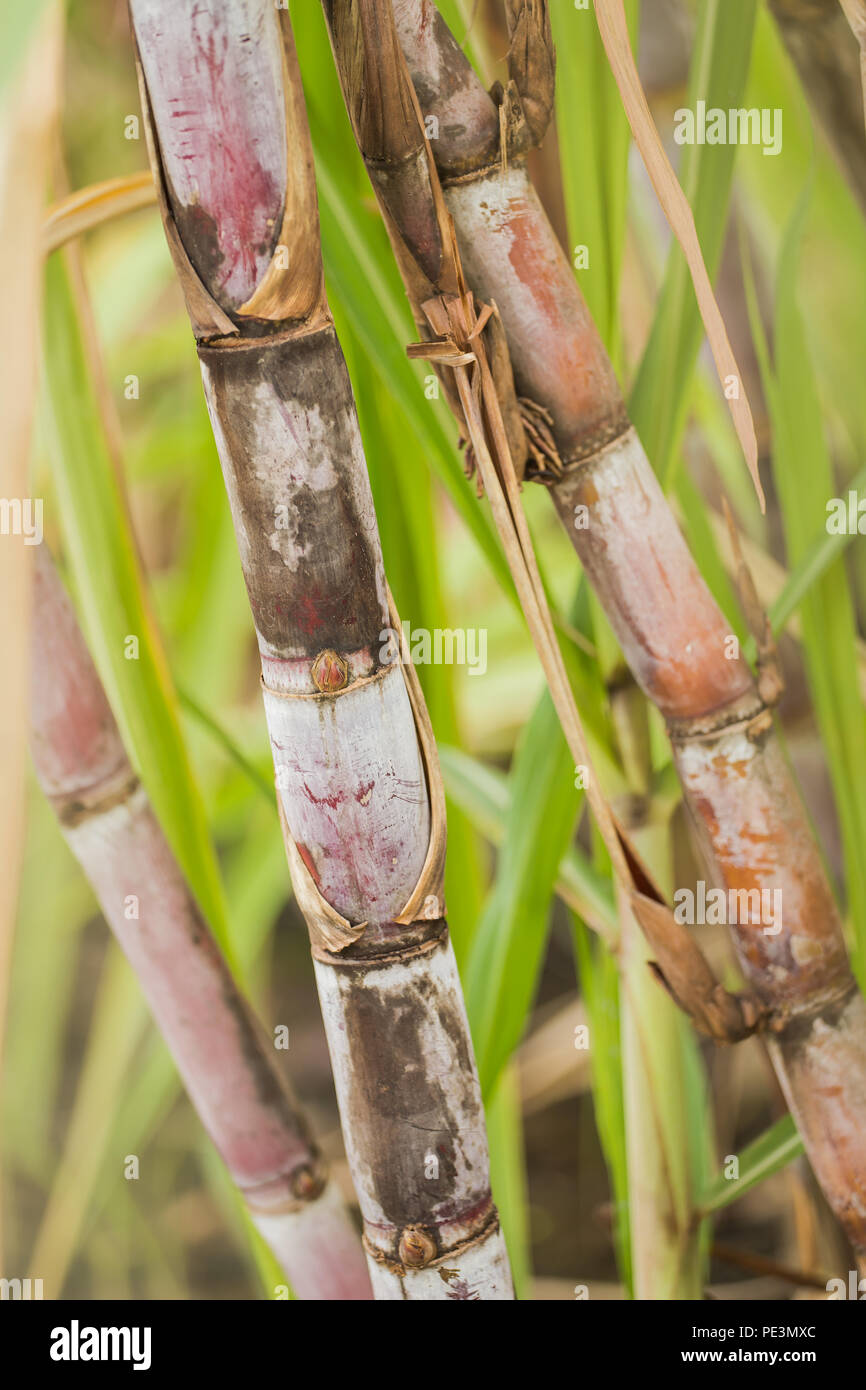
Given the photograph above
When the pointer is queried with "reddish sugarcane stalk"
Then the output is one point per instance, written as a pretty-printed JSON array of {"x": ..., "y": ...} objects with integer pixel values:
[
  {"x": 358, "y": 784},
  {"x": 737, "y": 784},
  {"x": 223, "y": 1054}
]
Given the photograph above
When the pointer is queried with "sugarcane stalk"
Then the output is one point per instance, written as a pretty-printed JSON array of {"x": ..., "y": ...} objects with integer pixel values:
[
  {"x": 358, "y": 784},
  {"x": 221, "y": 1050},
  {"x": 822, "y": 38},
  {"x": 737, "y": 784}
]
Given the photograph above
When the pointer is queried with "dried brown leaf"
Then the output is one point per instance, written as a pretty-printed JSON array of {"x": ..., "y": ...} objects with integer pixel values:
[
  {"x": 92, "y": 206},
  {"x": 683, "y": 970},
  {"x": 532, "y": 62}
]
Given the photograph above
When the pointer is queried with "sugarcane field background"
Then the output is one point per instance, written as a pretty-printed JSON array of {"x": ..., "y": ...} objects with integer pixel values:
[{"x": 270, "y": 623}]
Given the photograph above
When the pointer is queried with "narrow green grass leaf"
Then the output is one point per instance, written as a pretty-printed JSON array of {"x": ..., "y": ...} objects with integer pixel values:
[
  {"x": 484, "y": 794},
  {"x": 803, "y": 473},
  {"x": 508, "y": 947},
  {"x": 718, "y": 73},
  {"x": 759, "y": 1160},
  {"x": 816, "y": 558},
  {"x": 466, "y": 20},
  {"x": 508, "y": 1174},
  {"x": 599, "y": 982},
  {"x": 594, "y": 140}
]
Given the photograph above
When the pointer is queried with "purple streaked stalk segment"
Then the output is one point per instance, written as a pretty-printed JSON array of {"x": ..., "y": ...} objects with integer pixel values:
[
  {"x": 737, "y": 785},
  {"x": 356, "y": 773},
  {"x": 223, "y": 1054}
]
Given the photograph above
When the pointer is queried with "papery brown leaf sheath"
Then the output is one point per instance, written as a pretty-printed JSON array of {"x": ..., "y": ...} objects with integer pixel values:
[
  {"x": 355, "y": 766},
  {"x": 226, "y": 1060},
  {"x": 737, "y": 785},
  {"x": 532, "y": 62}
]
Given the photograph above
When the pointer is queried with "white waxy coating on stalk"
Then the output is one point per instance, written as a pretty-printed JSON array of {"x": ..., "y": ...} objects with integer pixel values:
[
  {"x": 341, "y": 781},
  {"x": 317, "y": 1246},
  {"x": 446, "y": 1124},
  {"x": 481, "y": 1271},
  {"x": 215, "y": 70}
]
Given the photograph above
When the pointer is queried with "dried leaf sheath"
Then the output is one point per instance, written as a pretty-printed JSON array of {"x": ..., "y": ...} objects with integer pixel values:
[
  {"x": 738, "y": 788},
  {"x": 224, "y": 1056},
  {"x": 354, "y": 782}
]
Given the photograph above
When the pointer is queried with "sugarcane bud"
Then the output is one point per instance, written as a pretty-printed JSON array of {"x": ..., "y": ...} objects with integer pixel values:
[
  {"x": 330, "y": 672},
  {"x": 532, "y": 62},
  {"x": 416, "y": 1248},
  {"x": 308, "y": 1184}
]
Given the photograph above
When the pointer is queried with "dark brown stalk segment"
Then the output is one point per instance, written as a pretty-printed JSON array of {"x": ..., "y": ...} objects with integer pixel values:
[
  {"x": 737, "y": 784},
  {"x": 357, "y": 778}
]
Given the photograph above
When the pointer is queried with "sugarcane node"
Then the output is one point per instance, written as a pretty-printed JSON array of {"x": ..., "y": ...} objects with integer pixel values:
[
  {"x": 683, "y": 970},
  {"x": 330, "y": 672},
  {"x": 96, "y": 801},
  {"x": 415, "y": 1249},
  {"x": 737, "y": 1016},
  {"x": 610, "y": 432}
]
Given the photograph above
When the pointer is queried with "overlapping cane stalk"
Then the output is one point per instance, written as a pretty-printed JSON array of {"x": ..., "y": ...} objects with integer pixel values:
[
  {"x": 357, "y": 778},
  {"x": 222, "y": 1052},
  {"x": 818, "y": 36},
  {"x": 737, "y": 784}
]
